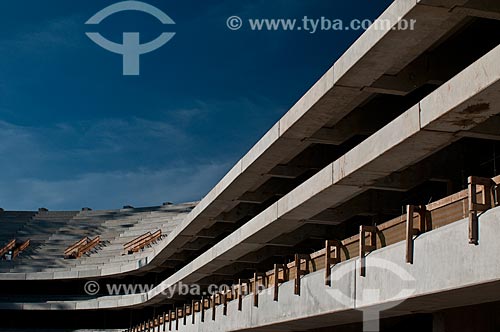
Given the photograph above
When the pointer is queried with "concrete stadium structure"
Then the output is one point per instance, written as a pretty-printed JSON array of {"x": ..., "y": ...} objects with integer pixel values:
[{"x": 377, "y": 193}]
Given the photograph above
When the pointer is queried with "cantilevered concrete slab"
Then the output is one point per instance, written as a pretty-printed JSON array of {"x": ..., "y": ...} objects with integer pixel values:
[
  {"x": 401, "y": 143},
  {"x": 342, "y": 88}
]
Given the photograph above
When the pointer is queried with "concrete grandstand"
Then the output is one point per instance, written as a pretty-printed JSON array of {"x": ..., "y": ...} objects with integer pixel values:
[{"x": 376, "y": 194}]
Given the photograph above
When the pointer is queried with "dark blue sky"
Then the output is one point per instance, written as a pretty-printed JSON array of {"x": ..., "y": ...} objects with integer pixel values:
[{"x": 74, "y": 132}]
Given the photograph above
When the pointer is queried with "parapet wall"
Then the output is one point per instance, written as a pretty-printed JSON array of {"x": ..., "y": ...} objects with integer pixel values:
[{"x": 436, "y": 280}]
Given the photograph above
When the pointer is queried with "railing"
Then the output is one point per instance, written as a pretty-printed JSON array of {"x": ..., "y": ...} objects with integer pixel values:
[{"x": 481, "y": 195}]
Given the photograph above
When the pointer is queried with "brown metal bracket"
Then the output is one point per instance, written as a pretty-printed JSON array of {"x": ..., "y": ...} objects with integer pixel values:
[
  {"x": 331, "y": 246},
  {"x": 177, "y": 319},
  {"x": 299, "y": 272},
  {"x": 184, "y": 314},
  {"x": 411, "y": 231},
  {"x": 223, "y": 295},
  {"x": 365, "y": 248},
  {"x": 193, "y": 311},
  {"x": 496, "y": 191},
  {"x": 213, "y": 304},
  {"x": 487, "y": 202},
  {"x": 241, "y": 282},
  {"x": 277, "y": 279},
  {"x": 202, "y": 310},
  {"x": 256, "y": 276}
]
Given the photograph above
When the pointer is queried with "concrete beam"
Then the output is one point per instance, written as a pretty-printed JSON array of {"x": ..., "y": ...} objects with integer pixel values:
[
  {"x": 431, "y": 168},
  {"x": 287, "y": 172},
  {"x": 335, "y": 95},
  {"x": 241, "y": 211},
  {"x": 235, "y": 268},
  {"x": 180, "y": 257},
  {"x": 197, "y": 244},
  {"x": 430, "y": 68},
  {"x": 356, "y": 70},
  {"x": 479, "y": 8},
  {"x": 273, "y": 187},
  {"x": 215, "y": 230},
  {"x": 356, "y": 123},
  {"x": 488, "y": 14},
  {"x": 311, "y": 232},
  {"x": 265, "y": 253},
  {"x": 367, "y": 204},
  {"x": 449, "y": 4}
]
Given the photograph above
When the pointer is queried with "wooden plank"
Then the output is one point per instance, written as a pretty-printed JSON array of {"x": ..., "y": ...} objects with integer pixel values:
[
  {"x": 448, "y": 200},
  {"x": 70, "y": 250},
  {"x": 89, "y": 246},
  {"x": 9, "y": 246},
  {"x": 144, "y": 241},
  {"x": 21, "y": 248},
  {"x": 137, "y": 240}
]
